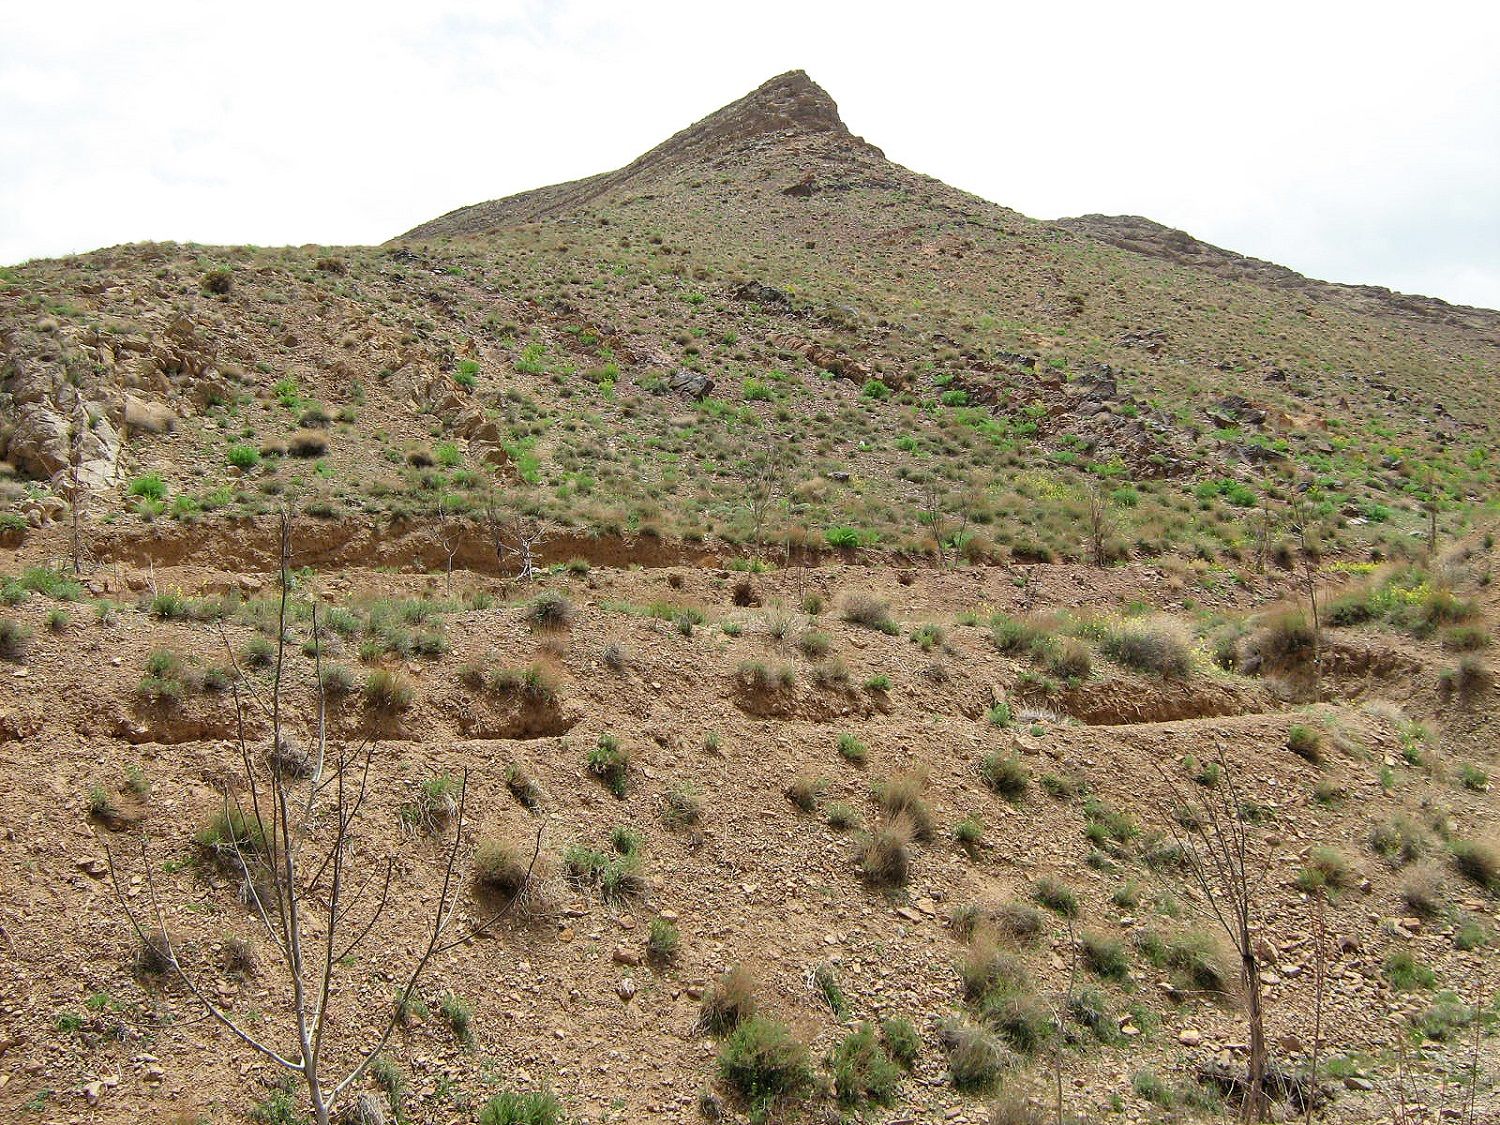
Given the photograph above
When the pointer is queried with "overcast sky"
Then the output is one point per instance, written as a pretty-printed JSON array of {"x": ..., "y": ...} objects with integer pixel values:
[{"x": 1352, "y": 141}]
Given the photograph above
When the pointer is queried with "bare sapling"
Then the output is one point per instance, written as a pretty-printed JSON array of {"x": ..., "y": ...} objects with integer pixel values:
[
  {"x": 314, "y": 885},
  {"x": 1227, "y": 866}
]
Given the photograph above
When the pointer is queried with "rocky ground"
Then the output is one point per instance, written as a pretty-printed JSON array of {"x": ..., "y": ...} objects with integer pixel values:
[{"x": 567, "y": 999}]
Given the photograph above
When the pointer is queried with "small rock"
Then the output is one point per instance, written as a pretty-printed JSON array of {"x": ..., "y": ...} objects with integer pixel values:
[
  {"x": 1189, "y": 1037},
  {"x": 625, "y": 989},
  {"x": 623, "y": 955}
]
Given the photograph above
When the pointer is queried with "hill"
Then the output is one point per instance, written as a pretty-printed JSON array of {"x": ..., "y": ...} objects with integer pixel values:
[{"x": 825, "y": 590}]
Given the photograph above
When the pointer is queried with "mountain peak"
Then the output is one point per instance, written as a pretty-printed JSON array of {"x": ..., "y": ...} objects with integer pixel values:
[
  {"x": 790, "y": 107},
  {"x": 789, "y": 102}
]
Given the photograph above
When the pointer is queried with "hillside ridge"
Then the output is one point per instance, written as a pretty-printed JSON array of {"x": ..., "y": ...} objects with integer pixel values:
[{"x": 1141, "y": 235}]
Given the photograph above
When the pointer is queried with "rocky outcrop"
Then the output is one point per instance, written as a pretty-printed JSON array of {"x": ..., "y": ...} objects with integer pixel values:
[{"x": 54, "y": 420}]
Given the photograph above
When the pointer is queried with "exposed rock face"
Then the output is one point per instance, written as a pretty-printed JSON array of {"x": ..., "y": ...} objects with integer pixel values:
[{"x": 54, "y": 418}]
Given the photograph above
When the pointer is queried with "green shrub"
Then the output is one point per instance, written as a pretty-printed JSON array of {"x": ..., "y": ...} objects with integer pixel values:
[
  {"x": 1106, "y": 824},
  {"x": 757, "y": 676},
  {"x": 435, "y": 803},
  {"x": 1056, "y": 896},
  {"x": 882, "y": 856},
  {"x": 460, "y": 1015},
  {"x": 1019, "y": 1017},
  {"x": 805, "y": 790},
  {"x": 852, "y": 749},
  {"x": 1158, "y": 647},
  {"x": 1473, "y": 778},
  {"x": 1088, "y": 1007},
  {"x": 1445, "y": 1019},
  {"x": 662, "y": 940},
  {"x": 523, "y": 787},
  {"x": 1477, "y": 861},
  {"x": 231, "y": 833},
  {"x": 533, "y": 683},
  {"x": 1306, "y": 742},
  {"x": 1149, "y": 1085},
  {"x": 969, "y": 832},
  {"x": 51, "y": 583},
  {"x": 388, "y": 692},
  {"x": 1019, "y": 921},
  {"x": 1424, "y": 891},
  {"x": 1399, "y": 840},
  {"x": 337, "y": 681},
  {"x": 550, "y": 610},
  {"x": 1470, "y": 934},
  {"x": 217, "y": 281},
  {"x": 841, "y": 814},
  {"x": 1005, "y": 773},
  {"x": 900, "y": 795},
  {"x": 169, "y": 605},
  {"x": 729, "y": 1001},
  {"x": 258, "y": 652},
  {"x": 862, "y": 1071},
  {"x": 609, "y": 761},
  {"x": 825, "y": 980},
  {"x": 1286, "y": 636},
  {"x": 149, "y": 486},
  {"x": 870, "y": 612},
  {"x": 901, "y": 1039},
  {"x": 1466, "y": 638},
  {"x": 976, "y": 1058},
  {"x": 1014, "y": 635},
  {"x": 501, "y": 866},
  {"x": 814, "y": 645},
  {"x": 1106, "y": 956},
  {"x": 1197, "y": 959},
  {"x": 681, "y": 806},
  {"x": 842, "y": 538},
  {"x": 536, "y": 1108},
  {"x": 15, "y": 639},
  {"x": 764, "y": 1062},
  {"x": 1327, "y": 868},
  {"x": 243, "y": 457},
  {"x": 987, "y": 968},
  {"x": 1406, "y": 974},
  {"x": 1068, "y": 658}
]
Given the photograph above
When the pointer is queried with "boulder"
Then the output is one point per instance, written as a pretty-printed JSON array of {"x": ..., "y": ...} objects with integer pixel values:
[
  {"x": 691, "y": 383},
  {"x": 148, "y": 417}
]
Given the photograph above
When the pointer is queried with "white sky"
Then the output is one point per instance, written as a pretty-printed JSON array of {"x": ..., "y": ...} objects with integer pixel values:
[{"x": 1352, "y": 141}]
